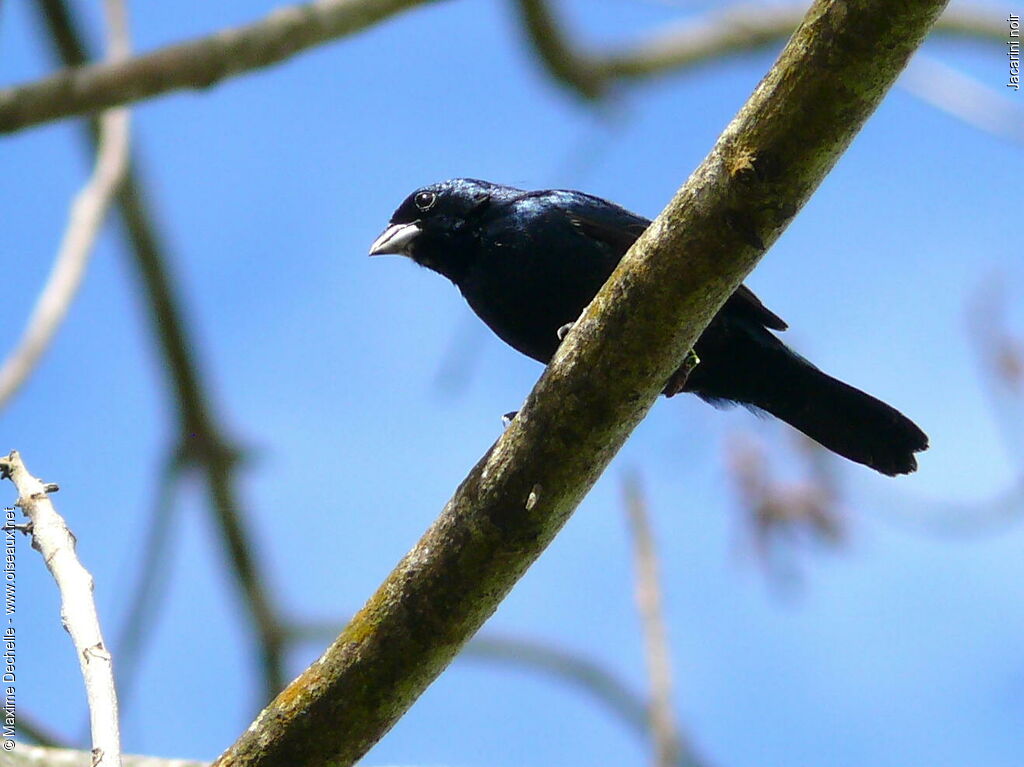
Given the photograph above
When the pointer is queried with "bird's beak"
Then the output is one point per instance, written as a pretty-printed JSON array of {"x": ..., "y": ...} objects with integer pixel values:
[{"x": 396, "y": 239}]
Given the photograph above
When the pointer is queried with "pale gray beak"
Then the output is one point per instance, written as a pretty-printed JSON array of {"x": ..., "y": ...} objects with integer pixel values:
[{"x": 396, "y": 240}]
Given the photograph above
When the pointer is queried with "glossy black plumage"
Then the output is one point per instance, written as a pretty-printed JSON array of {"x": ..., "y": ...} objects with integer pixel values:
[{"x": 529, "y": 262}]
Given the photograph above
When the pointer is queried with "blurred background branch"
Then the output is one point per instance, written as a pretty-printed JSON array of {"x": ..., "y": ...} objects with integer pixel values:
[
  {"x": 779, "y": 512},
  {"x": 290, "y": 30},
  {"x": 964, "y": 97},
  {"x": 669, "y": 748},
  {"x": 202, "y": 440},
  {"x": 999, "y": 353},
  {"x": 997, "y": 349},
  {"x": 564, "y": 63},
  {"x": 88, "y": 211},
  {"x": 195, "y": 64},
  {"x": 746, "y": 27},
  {"x": 533, "y": 655}
]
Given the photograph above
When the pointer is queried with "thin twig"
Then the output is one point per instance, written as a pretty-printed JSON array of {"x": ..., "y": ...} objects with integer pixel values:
[
  {"x": 204, "y": 441},
  {"x": 668, "y": 742},
  {"x": 780, "y": 514},
  {"x": 87, "y": 213},
  {"x": 583, "y": 673},
  {"x": 202, "y": 62},
  {"x": 55, "y": 542},
  {"x": 85, "y": 219}
]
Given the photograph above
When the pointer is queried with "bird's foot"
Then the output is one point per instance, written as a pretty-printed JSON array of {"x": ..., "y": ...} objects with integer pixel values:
[
  {"x": 678, "y": 380},
  {"x": 563, "y": 331},
  {"x": 507, "y": 418}
]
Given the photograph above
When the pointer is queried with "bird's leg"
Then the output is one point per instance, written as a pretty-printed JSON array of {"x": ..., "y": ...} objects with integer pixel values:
[
  {"x": 563, "y": 331},
  {"x": 678, "y": 380}
]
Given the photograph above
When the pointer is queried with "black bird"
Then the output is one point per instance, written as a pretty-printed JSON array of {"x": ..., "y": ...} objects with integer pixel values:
[{"x": 529, "y": 262}]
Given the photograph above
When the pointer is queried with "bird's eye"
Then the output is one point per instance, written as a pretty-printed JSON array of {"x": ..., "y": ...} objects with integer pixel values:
[{"x": 425, "y": 200}]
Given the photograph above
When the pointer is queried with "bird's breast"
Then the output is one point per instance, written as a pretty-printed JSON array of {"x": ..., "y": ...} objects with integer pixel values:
[{"x": 525, "y": 294}]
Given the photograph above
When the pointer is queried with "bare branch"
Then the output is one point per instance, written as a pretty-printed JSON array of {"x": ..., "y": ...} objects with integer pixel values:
[
  {"x": 747, "y": 27},
  {"x": 204, "y": 440},
  {"x": 964, "y": 97},
  {"x": 194, "y": 64},
  {"x": 600, "y": 384},
  {"x": 583, "y": 673},
  {"x": 668, "y": 743},
  {"x": 567, "y": 65},
  {"x": 284, "y": 33},
  {"x": 55, "y": 542},
  {"x": 86, "y": 217},
  {"x": 780, "y": 514},
  {"x": 738, "y": 29}
]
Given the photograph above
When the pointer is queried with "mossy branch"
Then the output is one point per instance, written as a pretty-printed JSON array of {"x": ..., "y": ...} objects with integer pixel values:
[{"x": 604, "y": 378}]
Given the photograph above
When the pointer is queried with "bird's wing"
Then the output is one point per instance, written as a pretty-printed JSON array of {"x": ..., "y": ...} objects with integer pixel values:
[
  {"x": 744, "y": 302},
  {"x": 618, "y": 232},
  {"x": 618, "y": 228}
]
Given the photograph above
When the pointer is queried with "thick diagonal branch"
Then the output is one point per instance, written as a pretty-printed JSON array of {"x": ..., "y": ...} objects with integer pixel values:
[{"x": 601, "y": 383}]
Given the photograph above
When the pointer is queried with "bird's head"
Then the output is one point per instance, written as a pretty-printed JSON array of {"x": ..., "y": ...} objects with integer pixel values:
[{"x": 429, "y": 224}]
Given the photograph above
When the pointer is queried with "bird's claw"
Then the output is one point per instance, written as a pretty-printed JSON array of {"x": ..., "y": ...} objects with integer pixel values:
[
  {"x": 563, "y": 331},
  {"x": 678, "y": 380},
  {"x": 507, "y": 418}
]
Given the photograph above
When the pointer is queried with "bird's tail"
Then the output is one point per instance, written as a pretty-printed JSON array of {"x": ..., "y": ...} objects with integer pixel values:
[{"x": 836, "y": 415}]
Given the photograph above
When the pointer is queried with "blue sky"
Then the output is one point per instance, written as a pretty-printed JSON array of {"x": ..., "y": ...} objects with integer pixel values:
[{"x": 901, "y": 648}]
